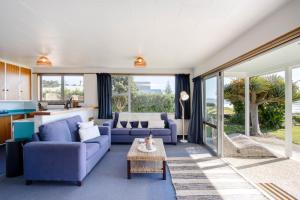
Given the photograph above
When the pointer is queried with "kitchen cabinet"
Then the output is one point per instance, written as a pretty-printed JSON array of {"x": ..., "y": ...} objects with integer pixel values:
[
  {"x": 2, "y": 80},
  {"x": 5, "y": 128},
  {"x": 15, "y": 82},
  {"x": 25, "y": 83},
  {"x": 12, "y": 82},
  {"x": 16, "y": 117}
]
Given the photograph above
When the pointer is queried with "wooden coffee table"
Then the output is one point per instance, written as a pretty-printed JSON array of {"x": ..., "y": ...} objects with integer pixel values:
[{"x": 140, "y": 162}]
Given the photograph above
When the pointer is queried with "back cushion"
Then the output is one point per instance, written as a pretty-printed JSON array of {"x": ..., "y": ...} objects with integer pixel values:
[
  {"x": 55, "y": 131},
  {"x": 73, "y": 126},
  {"x": 156, "y": 124}
]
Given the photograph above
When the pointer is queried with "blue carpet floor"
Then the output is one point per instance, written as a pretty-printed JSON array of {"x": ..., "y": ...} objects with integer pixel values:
[{"x": 107, "y": 181}]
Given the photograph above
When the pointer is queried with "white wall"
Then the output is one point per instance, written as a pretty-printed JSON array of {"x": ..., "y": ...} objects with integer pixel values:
[
  {"x": 147, "y": 70},
  {"x": 17, "y": 105},
  {"x": 35, "y": 87},
  {"x": 90, "y": 90},
  {"x": 280, "y": 22}
]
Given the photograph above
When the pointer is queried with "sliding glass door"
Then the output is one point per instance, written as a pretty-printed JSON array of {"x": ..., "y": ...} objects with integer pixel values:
[{"x": 212, "y": 90}]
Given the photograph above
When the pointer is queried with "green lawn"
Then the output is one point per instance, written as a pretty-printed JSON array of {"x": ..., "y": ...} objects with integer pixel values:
[
  {"x": 296, "y": 134},
  {"x": 228, "y": 111},
  {"x": 229, "y": 129},
  {"x": 233, "y": 128}
]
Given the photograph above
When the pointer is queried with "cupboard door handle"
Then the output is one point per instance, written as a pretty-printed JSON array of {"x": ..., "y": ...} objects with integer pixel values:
[{"x": 3, "y": 90}]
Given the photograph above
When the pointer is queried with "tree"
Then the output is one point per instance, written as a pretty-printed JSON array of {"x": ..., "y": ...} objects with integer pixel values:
[
  {"x": 264, "y": 90},
  {"x": 120, "y": 84},
  {"x": 50, "y": 83},
  {"x": 120, "y": 89},
  {"x": 168, "y": 89},
  {"x": 140, "y": 101}
]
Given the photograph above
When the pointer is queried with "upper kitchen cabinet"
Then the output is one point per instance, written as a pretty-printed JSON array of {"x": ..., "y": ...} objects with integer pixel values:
[
  {"x": 15, "y": 82},
  {"x": 25, "y": 83},
  {"x": 12, "y": 82},
  {"x": 2, "y": 80}
]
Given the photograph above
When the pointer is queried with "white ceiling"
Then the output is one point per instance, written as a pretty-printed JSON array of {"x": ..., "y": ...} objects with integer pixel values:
[
  {"x": 269, "y": 62},
  {"x": 110, "y": 33}
]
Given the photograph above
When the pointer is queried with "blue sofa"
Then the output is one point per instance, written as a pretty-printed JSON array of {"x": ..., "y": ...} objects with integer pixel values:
[
  {"x": 127, "y": 135},
  {"x": 56, "y": 153}
]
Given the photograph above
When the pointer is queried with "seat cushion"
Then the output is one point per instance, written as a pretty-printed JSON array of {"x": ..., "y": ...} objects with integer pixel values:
[
  {"x": 73, "y": 126},
  {"x": 160, "y": 131},
  {"x": 91, "y": 149},
  {"x": 140, "y": 131},
  {"x": 55, "y": 131},
  {"x": 120, "y": 131},
  {"x": 102, "y": 140}
]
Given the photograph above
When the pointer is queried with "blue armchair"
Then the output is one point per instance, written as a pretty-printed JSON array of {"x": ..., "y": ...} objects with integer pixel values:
[{"x": 63, "y": 160}]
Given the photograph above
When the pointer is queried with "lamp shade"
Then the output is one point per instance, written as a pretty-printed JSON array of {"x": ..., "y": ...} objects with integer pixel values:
[
  {"x": 184, "y": 96},
  {"x": 139, "y": 62},
  {"x": 43, "y": 60}
]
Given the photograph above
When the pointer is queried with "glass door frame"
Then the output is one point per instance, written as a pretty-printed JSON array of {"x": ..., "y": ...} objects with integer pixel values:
[{"x": 220, "y": 112}]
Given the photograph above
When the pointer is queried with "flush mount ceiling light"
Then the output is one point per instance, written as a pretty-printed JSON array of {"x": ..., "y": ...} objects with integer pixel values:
[
  {"x": 139, "y": 62},
  {"x": 43, "y": 60}
]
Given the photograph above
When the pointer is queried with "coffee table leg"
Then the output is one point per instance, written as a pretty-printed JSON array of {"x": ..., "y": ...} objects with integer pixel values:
[
  {"x": 128, "y": 170},
  {"x": 164, "y": 170}
]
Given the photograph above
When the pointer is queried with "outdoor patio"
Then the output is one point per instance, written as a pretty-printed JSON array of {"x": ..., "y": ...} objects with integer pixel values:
[{"x": 282, "y": 172}]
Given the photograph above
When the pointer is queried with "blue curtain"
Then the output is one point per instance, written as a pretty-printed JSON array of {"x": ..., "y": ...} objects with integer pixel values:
[
  {"x": 182, "y": 83},
  {"x": 195, "y": 132},
  {"x": 104, "y": 89}
]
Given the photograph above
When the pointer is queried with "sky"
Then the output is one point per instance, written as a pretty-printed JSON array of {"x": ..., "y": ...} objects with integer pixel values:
[
  {"x": 157, "y": 82},
  {"x": 211, "y": 88}
]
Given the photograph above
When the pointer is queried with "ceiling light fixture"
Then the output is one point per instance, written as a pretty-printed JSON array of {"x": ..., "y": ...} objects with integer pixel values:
[
  {"x": 139, "y": 62},
  {"x": 43, "y": 60}
]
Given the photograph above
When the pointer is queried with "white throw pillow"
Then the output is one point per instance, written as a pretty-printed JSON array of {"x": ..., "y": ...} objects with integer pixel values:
[
  {"x": 156, "y": 124},
  {"x": 122, "y": 117},
  {"x": 86, "y": 124},
  {"x": 88, "y": 133}
]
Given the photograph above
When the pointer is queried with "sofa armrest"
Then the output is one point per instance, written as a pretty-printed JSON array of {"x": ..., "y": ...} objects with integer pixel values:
[
  {"x": 105, "y": 130},
  {"x": 173, "y": 127},
  {"x": 109, "y": 123},
  {"x": 55, "y": 161}
]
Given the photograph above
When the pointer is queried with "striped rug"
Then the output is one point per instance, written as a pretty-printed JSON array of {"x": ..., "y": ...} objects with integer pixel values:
[
  {"x": 209, "y": 178},
  {"x": 276, "y": 192}
]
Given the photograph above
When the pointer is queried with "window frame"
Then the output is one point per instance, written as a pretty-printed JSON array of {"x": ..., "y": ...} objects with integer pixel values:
[
  {"x": 128, "y": 93},
  {"x": 62, "y": 89}
]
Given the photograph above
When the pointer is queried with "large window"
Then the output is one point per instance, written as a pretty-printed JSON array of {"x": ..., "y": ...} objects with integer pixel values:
[
  {"x": 211, "y": 111},
  {"x": 58, "y": 88},
  {"x": 137, "y": 93}
]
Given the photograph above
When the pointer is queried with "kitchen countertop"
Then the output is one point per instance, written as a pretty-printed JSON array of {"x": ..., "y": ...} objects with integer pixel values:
[
  {"x": 61, "y": 111},
  {"x": 17, "y": 112}
]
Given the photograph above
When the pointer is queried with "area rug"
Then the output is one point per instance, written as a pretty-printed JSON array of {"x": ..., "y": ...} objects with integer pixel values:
[{"x": 209, "y": 178}]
